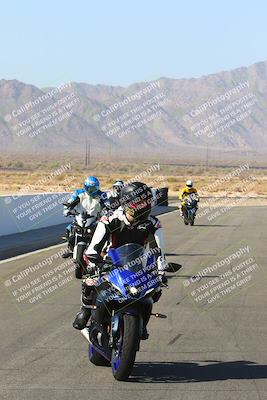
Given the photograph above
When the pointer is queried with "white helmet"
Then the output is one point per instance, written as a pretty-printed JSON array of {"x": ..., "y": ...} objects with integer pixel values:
[
  {"x": 189, "y": 183},
  {"x": 118, "y": 185}
]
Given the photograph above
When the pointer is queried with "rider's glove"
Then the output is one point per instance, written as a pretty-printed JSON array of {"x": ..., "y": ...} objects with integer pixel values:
[
  {"x": 162, "y": 263},
  {"x": 66, "y": 212},
  {"x": 163, "y": 278},
  {"x": 89, "y": 265}
]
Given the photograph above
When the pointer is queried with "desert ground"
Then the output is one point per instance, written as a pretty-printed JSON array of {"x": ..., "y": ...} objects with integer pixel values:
[{"x": 24, "y": 175}]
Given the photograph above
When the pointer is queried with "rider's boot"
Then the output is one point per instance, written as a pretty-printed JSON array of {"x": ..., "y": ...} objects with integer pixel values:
[
  {"x": 67, "y": 254},
  {"x": 84, "y": 314},
  {"x": 82, "y": 318}
]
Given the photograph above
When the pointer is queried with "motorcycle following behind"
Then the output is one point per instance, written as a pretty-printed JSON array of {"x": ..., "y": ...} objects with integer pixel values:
[
  {"x": 190, "y": 209},
  {"x": 131, "y": 281},
  {"x": 80, "y": 233}
]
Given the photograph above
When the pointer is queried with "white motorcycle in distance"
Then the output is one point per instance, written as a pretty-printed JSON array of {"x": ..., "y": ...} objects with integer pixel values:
[{"x": 190, "y": 208}]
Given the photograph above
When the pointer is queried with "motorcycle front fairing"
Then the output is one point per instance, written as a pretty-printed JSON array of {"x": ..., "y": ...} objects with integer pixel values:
[
  {"x": 192, "y": 201},
  {"x": 191, "y": 205},
  {"x": 135, "y": 272},
  {"x": 134, "y": 279}
]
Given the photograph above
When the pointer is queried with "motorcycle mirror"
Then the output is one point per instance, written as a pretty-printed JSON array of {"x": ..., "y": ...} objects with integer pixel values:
[
  {"x": 173, "y": 267},
  {"x": 95, "y": 258}
]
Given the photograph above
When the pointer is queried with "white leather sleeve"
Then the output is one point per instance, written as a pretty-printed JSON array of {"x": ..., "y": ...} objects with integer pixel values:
[
  {"x": 161, "y": 260},
  {"x": 65, "y": 211},
  {"x": 159, "y": 239},
  {"x": 98, "y": 236}
]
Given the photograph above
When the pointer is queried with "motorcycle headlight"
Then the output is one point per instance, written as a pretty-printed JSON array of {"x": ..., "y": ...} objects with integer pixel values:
[{"x": 133, "y": 290}]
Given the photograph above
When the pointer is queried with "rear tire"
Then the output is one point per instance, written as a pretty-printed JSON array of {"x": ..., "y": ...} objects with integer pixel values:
[
  {"x": 122, "y": 363},
  {"x": 96, "y": 358}
]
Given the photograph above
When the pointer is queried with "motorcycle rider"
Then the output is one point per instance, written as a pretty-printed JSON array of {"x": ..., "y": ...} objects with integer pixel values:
[
  {"x": 90, "y": 199},
  {"x": 69, "y": 227},
  {"x": 186, "y": 191},
  {"x": 131, "y": 223}
]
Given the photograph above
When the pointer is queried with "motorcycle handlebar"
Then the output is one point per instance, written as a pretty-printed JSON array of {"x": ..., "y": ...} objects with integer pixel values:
[{"x": 106, "y": 267}]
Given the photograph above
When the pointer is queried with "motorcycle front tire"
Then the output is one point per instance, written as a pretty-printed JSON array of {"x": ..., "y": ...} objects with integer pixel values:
[{"x": 123, "y": 359}]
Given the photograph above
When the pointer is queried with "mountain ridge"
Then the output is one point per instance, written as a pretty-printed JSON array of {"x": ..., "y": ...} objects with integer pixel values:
[{"x": 156, "y": 116}]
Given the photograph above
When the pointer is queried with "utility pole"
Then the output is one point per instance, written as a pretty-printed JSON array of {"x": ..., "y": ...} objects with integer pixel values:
[
  {"x": 207, "y": 157},
  {"x": 85, "y": 161},
  {"x": 87, "y": 153}
]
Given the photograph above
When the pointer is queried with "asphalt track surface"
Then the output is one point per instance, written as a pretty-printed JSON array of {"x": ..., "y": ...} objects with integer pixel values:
[{"x": 195, "y": 354}]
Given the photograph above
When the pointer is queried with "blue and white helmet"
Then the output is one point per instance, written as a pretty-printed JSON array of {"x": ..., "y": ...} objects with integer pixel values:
[{"x": 91, "y": 185}]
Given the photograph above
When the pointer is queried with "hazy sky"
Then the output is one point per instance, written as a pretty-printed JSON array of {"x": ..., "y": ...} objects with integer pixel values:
[{"x": 120, "y": 42}]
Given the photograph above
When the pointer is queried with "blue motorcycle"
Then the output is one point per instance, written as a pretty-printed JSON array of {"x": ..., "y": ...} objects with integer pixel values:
[{"x": 131, "y": 281}]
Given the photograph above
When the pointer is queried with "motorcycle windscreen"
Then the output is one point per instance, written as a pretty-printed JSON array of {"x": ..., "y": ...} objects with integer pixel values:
[
  {"x": 131, "y": 256},
  {"x": 191, "y": 201},
  {"x": 136, "y": 271}
]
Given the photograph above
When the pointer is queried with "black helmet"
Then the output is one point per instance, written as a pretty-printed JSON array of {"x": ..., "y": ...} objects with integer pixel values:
[{"x": 136, "y": 198}]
